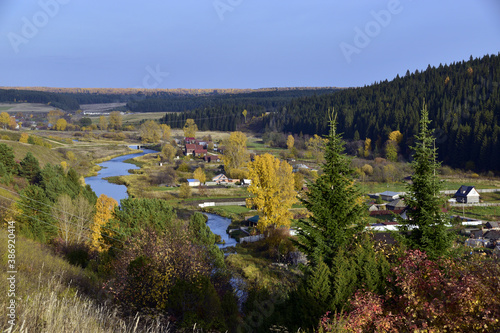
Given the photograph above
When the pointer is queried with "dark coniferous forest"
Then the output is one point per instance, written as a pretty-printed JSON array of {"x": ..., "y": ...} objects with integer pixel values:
[{"x": 463, "y": 101}]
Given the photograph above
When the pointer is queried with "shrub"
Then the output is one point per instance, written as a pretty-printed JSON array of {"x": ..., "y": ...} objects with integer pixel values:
[{"x": 425, "y": 295}]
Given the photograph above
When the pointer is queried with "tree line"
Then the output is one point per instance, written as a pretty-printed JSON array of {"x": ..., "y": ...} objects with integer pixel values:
[{"x": 462, "y": 98}]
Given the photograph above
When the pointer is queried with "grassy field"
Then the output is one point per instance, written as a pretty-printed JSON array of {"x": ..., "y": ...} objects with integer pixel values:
[
  {"x": 490, "y": 213},
  {"x": 26, "y": 107},
  {"x": 133, "y": 118},
  {"x": 43, "y": 154},
  {"x": 231, "y": 209},
  {"x": 448, "y": 184}
]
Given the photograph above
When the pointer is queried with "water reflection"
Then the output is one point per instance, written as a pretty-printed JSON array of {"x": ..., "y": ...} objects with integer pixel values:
[
  {"x": 114, "y": 167},
  {"x": 218, "y": 225}
]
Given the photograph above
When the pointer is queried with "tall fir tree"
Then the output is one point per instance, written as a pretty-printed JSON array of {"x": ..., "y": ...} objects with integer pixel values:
[
  {"x": 425, "y": 227},
  {"x": 334, "y": 201},
  {"x": 30, "y": 168}
]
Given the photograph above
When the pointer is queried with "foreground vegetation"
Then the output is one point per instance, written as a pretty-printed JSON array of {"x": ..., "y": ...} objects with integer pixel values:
[{"x": 151, "y": 263}]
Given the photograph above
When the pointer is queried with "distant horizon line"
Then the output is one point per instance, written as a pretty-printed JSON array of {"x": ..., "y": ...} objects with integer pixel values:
[{"x": 204, "y": 90}]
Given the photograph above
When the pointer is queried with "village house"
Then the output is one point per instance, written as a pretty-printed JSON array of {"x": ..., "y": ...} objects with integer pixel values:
[
  {"x": 212, "y": 158},
  {"x": 200, "y": 152},
  {"x": 389, "y": 195},
  {"x": 190, "y": 141},
  {"x": 396, "y": 205},
  {"x": 193, "y": 182},
  {"x": 195, "y": 150},
  {"x": 220, "y": 178},
  {"x": 467, "y": 194},
  {"x": 492, "y": 225}
]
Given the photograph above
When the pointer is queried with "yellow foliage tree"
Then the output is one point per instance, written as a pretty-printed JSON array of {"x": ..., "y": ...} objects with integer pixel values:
[
  {"x": 168, "y": 152},
  {"x": 166, "y": 132},
  {"x": 4, "y": 119},
  {"x": 200, "y": 175},
  {"x": 244, "y": 113},
  {"x": 236, "y": 155},
  {"x": 396, "y": 136},
  {"x": 115, "y": 120},
  {"x": 150, "y": 132},
  {"x": 316, "y": 145},
  {"x": 54, "y": 115},
  {"x": 368, "y": 147},
  {"x": 290, "y": 142},
  {"x": 104, "y": 208},
  {"x": 24, "y": 138},
  {"x": 103, "y": 123},
  {"x": 64, "y": 165},
  {"x": 70, "y": 156},
  {"x": 13, "y": 124},
  {"x": 190, "y": 128},
  {"x": 184, "y": 191},
  {"x": 273, "y": 190},
  {"x": 61, "y": 124}
]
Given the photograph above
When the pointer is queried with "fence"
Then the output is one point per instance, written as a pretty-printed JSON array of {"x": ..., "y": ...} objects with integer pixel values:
[
  {"x": 484, "y": 204},
  {"x": 251, "y": 239},
  {"x": 212, "y": 204}
]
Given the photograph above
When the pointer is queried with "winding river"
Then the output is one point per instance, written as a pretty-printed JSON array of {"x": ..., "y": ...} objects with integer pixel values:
[
  {"x": 117, "y": 167},
  {"x": 114, "y": 167}
]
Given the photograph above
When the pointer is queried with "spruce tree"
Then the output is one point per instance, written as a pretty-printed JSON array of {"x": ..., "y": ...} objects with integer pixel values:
[
  {"x": 30, "y": 168},
  {"x": 425, "y": 228},
  {"x": 334, "y": 201}
]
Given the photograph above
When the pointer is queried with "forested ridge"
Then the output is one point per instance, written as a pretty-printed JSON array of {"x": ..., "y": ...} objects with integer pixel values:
[
  {"x": 463, "y": 101},
  {"x": 157, "y": 100},
  {"x": 29, "y": 96}
]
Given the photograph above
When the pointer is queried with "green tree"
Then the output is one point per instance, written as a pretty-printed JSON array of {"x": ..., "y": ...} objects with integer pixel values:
[
  {"x": 335, "y": 203},
  {"x": 391, "y": 150},
  {"x": 86, "y": 121},
  {"x": 425, "y": 228},
  {"x": 202, "y": 236},
  {"x": 7, "y": 158},
  {"x": 36, "y": 217},
  {"x": 30, "y": 168}
]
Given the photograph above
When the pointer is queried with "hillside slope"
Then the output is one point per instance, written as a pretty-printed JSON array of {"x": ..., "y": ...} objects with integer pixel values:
[{"x": 462, "y": 98}]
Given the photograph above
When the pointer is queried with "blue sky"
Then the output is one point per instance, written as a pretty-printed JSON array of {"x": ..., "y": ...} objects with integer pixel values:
[{"x": 236, "y": 43}]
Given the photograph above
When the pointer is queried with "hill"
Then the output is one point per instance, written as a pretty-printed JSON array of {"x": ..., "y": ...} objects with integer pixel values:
[
  {"x": 462, "y": 98},
  {"x": 54, "y": 296},
  {"x": 150, "y": 100}
]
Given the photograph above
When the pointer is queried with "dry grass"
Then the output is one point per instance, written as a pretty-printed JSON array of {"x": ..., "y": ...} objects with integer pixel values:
[{"x": 49, "y": 296}]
